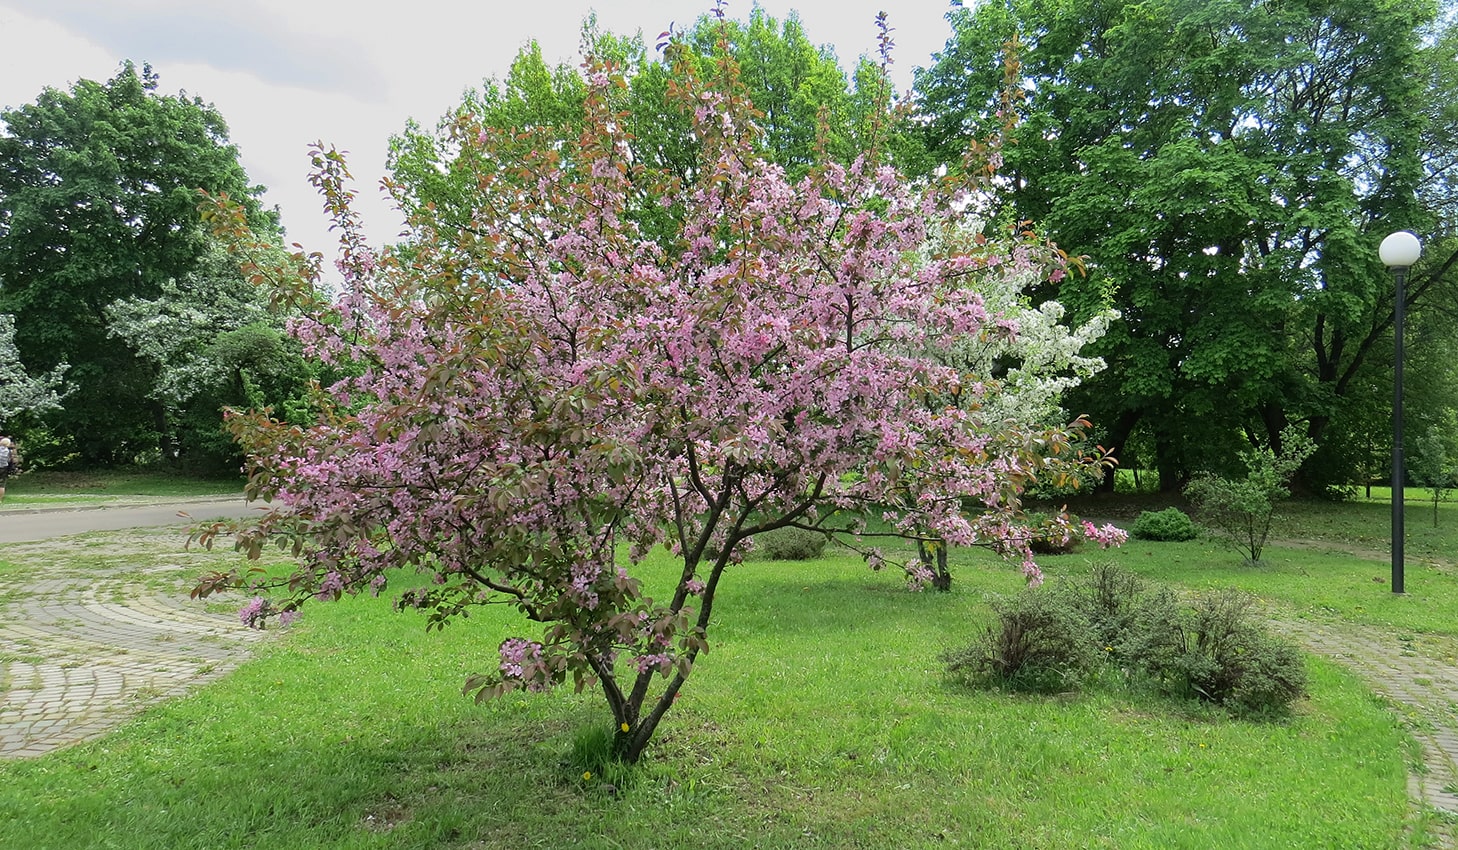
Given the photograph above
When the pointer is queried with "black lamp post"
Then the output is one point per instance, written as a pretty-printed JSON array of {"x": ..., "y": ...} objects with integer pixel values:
[{"x": 1399, "y": 251}]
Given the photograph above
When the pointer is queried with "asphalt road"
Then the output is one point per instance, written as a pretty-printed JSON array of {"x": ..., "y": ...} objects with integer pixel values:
[{"x": 25, "y": 525}]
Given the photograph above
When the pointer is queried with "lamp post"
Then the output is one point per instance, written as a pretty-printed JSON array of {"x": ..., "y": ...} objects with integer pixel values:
[{"x": 1398, "y": 252}]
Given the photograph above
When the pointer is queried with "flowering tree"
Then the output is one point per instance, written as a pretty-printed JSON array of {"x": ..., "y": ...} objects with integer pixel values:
[
  {"x": 20, "y": 391},
  {"x": 1023, "y": 374},
  {"x": 529, "y": 414}
]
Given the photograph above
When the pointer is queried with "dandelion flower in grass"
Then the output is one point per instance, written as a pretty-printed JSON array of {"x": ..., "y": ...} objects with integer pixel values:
[
  {"x": 586, "y": 775},
  {"x": 625, "y": 727}
]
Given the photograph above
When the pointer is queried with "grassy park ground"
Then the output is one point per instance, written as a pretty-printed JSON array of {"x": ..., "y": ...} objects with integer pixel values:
[
  {"x": 54, "y": 488},
  {"x": 820, "y": 718}
]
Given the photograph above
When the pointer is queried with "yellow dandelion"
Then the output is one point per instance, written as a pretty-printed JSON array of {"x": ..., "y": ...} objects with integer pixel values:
[
  {"x": 625, "y": 727},
  {"x": 586, "y": 775}
]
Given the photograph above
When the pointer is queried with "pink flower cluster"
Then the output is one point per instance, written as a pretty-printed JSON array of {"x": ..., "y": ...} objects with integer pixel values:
[
  {"x": 1106, "y": 536},
  {"x": 517, "y": 656}
]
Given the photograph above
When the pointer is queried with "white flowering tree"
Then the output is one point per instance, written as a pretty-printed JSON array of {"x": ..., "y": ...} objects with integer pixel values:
[
  {"x": 21, "y": 392},
  {"x": 212, "y": 342},
  {"x": 1023, "y": 370}
]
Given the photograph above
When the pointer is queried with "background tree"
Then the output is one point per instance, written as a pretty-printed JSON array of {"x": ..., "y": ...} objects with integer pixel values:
[
  {"x": 582, "y": 384},
  {"x": 805, "y": 104},
  {"x": 212, "y": 342},
  {"x": 1435, "y": 463},
  {"x": 1228, "y": 167},
  {"x": 1024, "y": 374},
  {"x": 98, "y": 203},
  {"x": 21, "y": 393}
]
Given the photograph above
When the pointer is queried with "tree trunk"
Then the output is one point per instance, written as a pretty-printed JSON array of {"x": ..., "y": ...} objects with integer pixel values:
[
  {"x": 165, "y": 443},
  {"x": 933, "y": 554},
  {"x": 1118, "y": 436},
  {"x": 1172, "y": 474}
]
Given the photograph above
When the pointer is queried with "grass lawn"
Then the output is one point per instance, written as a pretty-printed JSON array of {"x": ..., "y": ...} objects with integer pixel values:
[
  {"x": 1326, "y": 560},
  {"x": 818, "y": 719},
  {"x": 51, "y": 488}
]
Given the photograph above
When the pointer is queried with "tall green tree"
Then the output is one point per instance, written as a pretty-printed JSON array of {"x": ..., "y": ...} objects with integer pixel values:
[
  {"x": 802, "y": 98},
  {"x": 98, "y": 203},
  {"x": 1228, "y": 167}
]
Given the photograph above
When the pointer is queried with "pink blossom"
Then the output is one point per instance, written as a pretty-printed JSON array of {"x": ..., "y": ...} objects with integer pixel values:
[{"x": 526, "y": 404}]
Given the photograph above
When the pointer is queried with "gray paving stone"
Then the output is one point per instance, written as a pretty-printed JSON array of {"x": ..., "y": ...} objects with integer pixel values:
[
  {"x": 1419, "y": 684},
  {"x": 93, "y": 654}
]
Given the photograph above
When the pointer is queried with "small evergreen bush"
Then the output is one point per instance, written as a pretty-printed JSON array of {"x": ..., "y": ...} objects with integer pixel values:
[
  {"x": 791, "y": 544},
  {"x": 1170, "y": 524},
  {"x": 1040, "y": 641}
]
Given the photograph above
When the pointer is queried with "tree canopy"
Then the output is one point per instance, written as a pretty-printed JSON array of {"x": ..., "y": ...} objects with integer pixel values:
[
  {"x": 1228, "y": 168},
  {"x": 805, "y": 105},
  {"x": 544, "y": 386},
  {"x": 98, "y": 203}
]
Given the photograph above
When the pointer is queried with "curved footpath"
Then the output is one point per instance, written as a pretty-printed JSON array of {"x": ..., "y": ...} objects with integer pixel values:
[
  {"x": 81, "y": 653},
  {"x": 1408, "y": 671}
]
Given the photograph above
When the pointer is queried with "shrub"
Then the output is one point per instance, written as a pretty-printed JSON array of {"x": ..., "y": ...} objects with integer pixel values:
[
  {"x": 1050, "y": 537},
  {"x": 1110, "y": 599},
  {"x": 1219, "y": 651},
  {"x": 791, "y": 544},
  {"x": 1170, "y": 524},
  {"x": 1242, "y": 510},
  {"x": 1040, "y": 641}
]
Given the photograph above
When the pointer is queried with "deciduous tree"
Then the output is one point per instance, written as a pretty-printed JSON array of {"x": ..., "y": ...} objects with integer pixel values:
[
  {"x": 98, "y": 202},
  {"x": 806, "y": 107},
  {"x": 22, "y": 393},
  {"x": 212, "y": 342},
  {"x": 1229, "y": 168},
  {"x": 527, "y": 419}
]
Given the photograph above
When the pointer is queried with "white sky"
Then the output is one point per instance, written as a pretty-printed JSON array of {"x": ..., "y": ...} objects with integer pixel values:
[{"x": 285, "y": 73}]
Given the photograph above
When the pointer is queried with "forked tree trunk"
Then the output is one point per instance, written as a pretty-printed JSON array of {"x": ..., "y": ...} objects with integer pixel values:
[{"x": 933, "y": 554}]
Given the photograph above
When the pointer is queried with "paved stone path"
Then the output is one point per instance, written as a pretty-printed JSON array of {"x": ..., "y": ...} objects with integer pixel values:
[
  {"x": 91, "y": 643},
  {"x": 1417, "y": 673}
]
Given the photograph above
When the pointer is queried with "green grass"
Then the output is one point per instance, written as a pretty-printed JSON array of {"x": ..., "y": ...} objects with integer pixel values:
[
  {"x": 1330, "y": 560},
  {"x": 819, "y": 719},
  {"x": 43, "y": 488}
]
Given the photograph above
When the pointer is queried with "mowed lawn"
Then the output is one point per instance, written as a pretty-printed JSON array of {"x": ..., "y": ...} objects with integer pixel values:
[
  {"x": 819, "y": 718},
  {"x": 59, "y": 488}
]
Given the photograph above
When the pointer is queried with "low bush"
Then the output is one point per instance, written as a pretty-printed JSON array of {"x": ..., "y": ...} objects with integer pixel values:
[
  {"x": 1170, "y": 524},
  {"x": 790, "y": 544},
  {"x": 1219, "y": 650},
  {"x": 1110, "y": 599},
  {"x": 1040, "y": 641},
  {"x": 1052, "y": 538}
]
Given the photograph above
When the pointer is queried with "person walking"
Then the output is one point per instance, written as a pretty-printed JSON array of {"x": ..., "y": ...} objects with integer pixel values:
[{"x": 9, "y": 461}]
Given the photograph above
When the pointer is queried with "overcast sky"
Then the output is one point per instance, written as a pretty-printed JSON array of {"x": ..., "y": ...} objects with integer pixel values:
[{"x": 285, "y": 73}]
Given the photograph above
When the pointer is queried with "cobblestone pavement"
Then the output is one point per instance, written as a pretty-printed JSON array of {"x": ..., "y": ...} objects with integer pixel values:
[
  {"x": 98, "y": 638},
  {"x": 1417, "y": 673}
]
